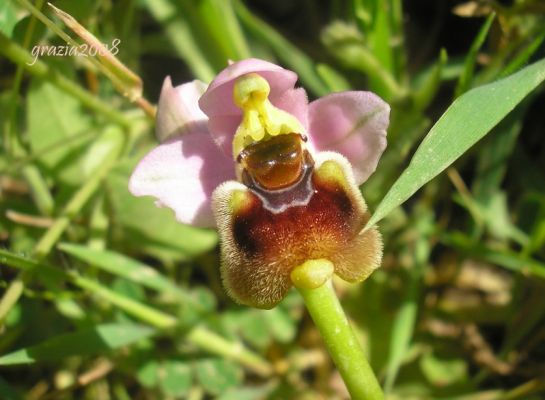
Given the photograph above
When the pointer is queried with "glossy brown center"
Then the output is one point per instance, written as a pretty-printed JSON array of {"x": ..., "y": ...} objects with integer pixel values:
[{"x": 275, "y": 163}]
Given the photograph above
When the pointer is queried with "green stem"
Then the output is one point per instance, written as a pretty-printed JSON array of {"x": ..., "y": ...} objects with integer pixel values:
[
  {"x": 343, "y": 346},
  {"x": 10, "y": 297},
  {"x": 39, "y": 190},
  {"x": 215, "y": 344}
]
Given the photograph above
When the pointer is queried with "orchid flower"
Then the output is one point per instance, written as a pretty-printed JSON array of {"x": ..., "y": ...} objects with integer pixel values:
[{"x": 278, "y": 176}]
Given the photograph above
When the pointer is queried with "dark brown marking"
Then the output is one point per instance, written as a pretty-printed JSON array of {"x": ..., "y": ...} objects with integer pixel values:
[{"x": 318, "y": 230}]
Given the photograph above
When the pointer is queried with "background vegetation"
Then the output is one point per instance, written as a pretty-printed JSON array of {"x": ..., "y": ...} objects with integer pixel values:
[{"x": 105, "y": 296}]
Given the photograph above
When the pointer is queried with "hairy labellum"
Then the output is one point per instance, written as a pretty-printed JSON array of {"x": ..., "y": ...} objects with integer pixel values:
[{"x": 262, "y": 245}]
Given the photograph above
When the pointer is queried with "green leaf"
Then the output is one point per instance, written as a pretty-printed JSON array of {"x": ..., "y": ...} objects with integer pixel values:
[
  {"x": 282, "y": 327},
  {"x": 216, "y": 375},
  {"x": 96, "y": 340},
  {"x": 221, "y": 22},
  {"x": 250, "y": 324},
  {"x": 441, "y": 371},
  {"x": 53, "y": 118},
  {"x": 148, "y": 373},
  {"x": 348, "y": 46},
  {"x": 405, "y": 319},
  {"x": 522, "y": 58},
  {"x": 123, "y": 266},
  {"x": 7, "y": 392},
  {"x": 175, "y": 377},
  {"x": 8, "y": 17},
  {"x": 504, "y": 258},
  {"x": 246, "y": 393},
  {"x": 467, "y": 120},
  {"x": 332, "y": 78},
  {"x": 80, "y": 10},
  {"x": 52, "y": 274},
  {"x": 464, "y": 81},
  {"x": 179, "y": 34},
  {"x": 495, "y": 154},
  {"x": 283, "y": 48},
  {"x": 430, "y": 83}
]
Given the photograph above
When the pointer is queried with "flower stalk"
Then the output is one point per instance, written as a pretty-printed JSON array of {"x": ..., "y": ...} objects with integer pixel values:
[{"x": 341, "y": 342}]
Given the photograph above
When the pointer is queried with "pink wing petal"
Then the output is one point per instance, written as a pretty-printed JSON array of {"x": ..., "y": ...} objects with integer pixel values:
[
  {"x": 181, "y": 174},
  {"x": 178, "y": 111},
  {"x": 353, "y": 124}
]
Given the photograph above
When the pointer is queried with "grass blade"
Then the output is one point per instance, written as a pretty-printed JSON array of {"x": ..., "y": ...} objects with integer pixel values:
[
  {"x": 504, "y": 258},
  {"x": 95, "y": 340},
  {"x": 179, "y": 33},
  {"x": 125, "y": 267},
  {"x": 287, "y": 52},
  {"x": 467, "y": 120},
  {"x": 469, "y": 65},
  {"x": 218, "y": 17}
]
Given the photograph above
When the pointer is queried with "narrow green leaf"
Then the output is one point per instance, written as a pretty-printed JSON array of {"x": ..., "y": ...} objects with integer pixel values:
[
  {"x": 179, "y": 34},
  {"x": 467, "y": 120},
  {"x": 148, "y": 373},
  {"x": 8, "y": 17},
  {"x": 493, "y": 159},
  {"x": 465, "y": 79},
  {"x": 332, "y": 78},
  {"x": 219, "y": 18},
  {"x": 17, "y": 261},
  {"x": 283, "y": 48},
  {"x": 125, "y": 267},
  {"x": 379, "y": 36},
  {"x": 141, "y": 311},
  {"x": 96, "y": 340},
  {"x": 504, "y": 258},
  {"x": 430, "y": 84},
  {"x": 523, "y": 57},
  {"x": 349, "y": 47},
  {"x": 55, "y": 117},
  {"x": 405, "y": 320}
]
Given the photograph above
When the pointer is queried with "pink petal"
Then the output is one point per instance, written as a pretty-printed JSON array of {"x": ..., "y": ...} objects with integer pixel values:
[
  {"x": 225, "y": 116},
  {"x": 353, "y": 124},
  {"x": 223, "y": 127},
  {"x": 218, "y": 98},
  {"x": 178, "y": 111},
  {"x": 181, "y": 174},
  {"x": 295, "y": 102}
]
